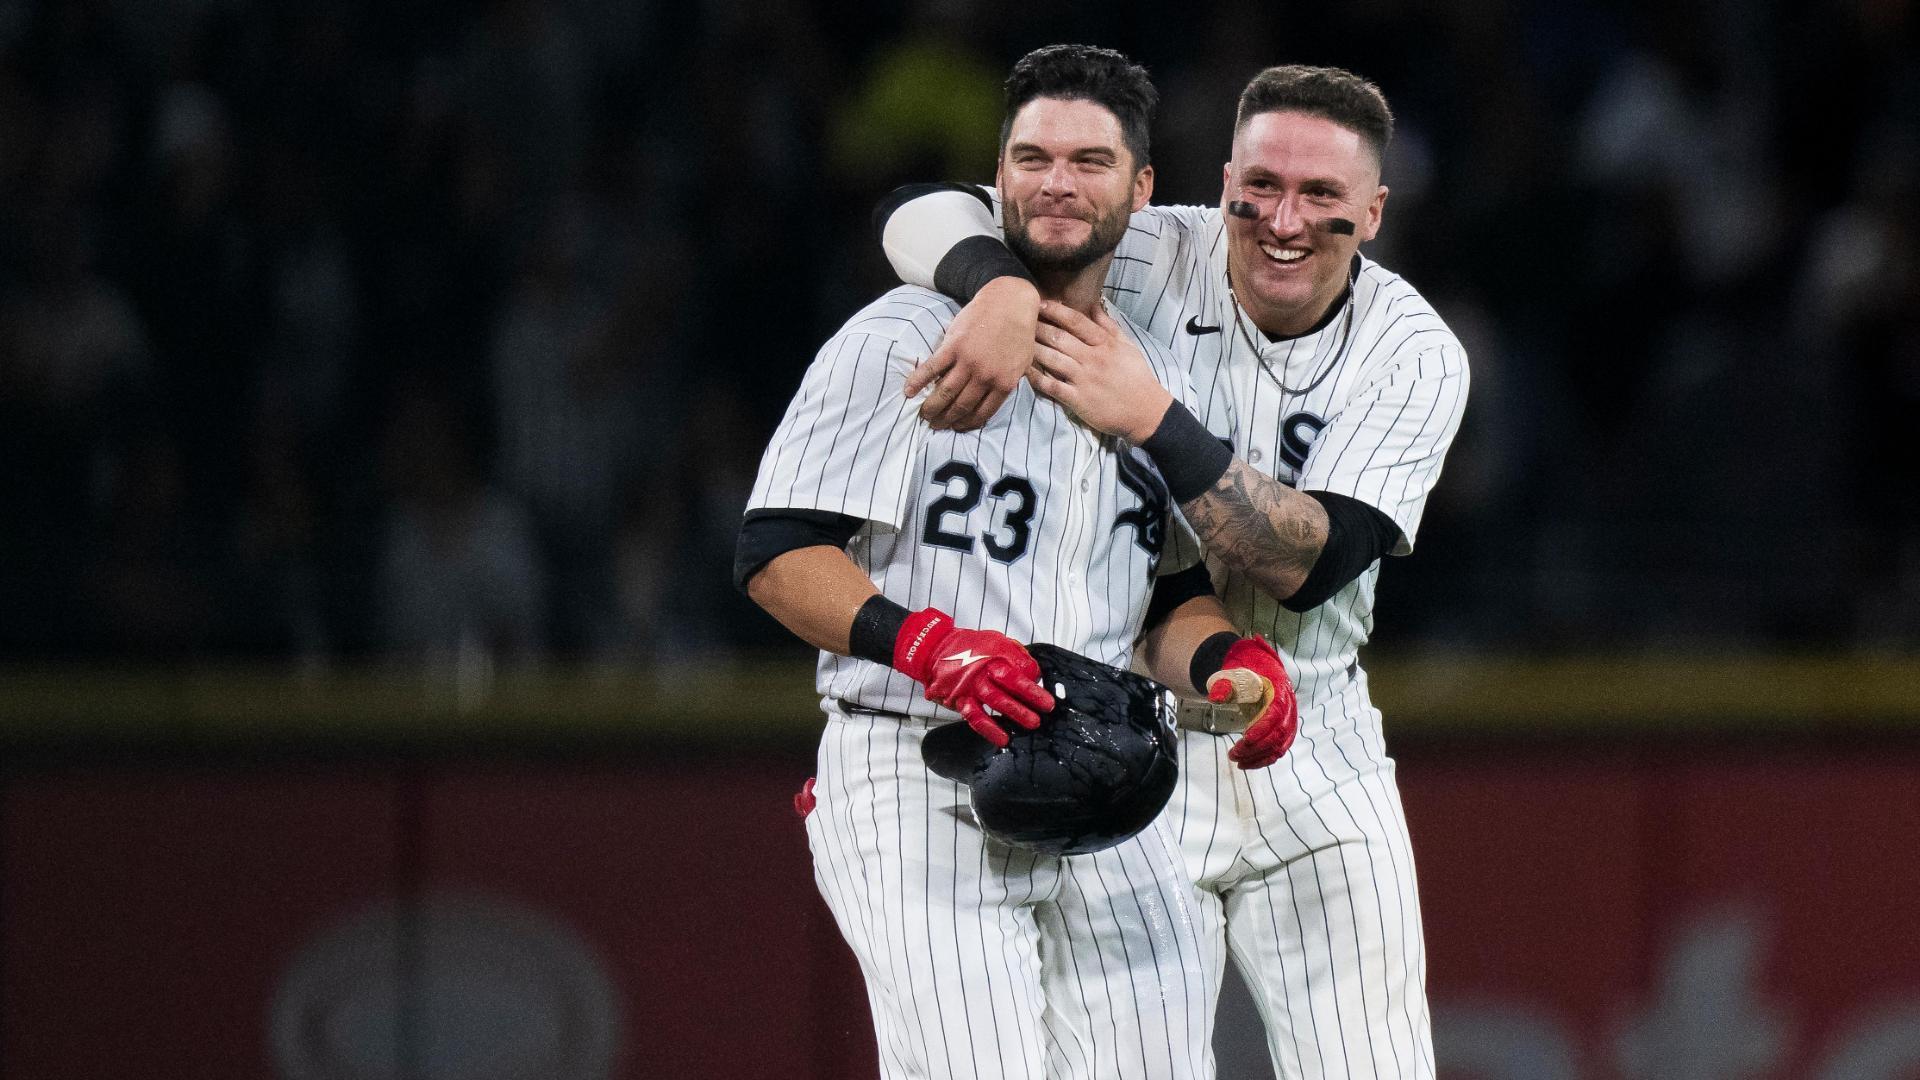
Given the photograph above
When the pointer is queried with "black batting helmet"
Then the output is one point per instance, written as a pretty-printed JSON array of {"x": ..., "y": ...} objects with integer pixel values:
[{"x": 1099, "y": 768}]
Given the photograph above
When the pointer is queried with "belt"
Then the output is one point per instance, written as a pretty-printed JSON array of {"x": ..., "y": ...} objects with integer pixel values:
[
  {"x": 1204, "y": 716},
  {"x": 1193, "y": 715},
  {"x": 854, "y": 707}
]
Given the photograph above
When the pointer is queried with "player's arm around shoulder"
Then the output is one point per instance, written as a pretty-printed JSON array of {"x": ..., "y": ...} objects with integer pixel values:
[
  {"x": 1104, "y": 370},
  {"x": 1164, "y": 248},
  {"x": 982, "y": 357},
  {"x": 947, "y": 237}
]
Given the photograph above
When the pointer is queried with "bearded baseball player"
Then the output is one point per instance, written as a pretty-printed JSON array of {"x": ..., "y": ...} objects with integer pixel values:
[
  {"x": 920, "y": 561},
  {"x": 1329, "y": 393}
]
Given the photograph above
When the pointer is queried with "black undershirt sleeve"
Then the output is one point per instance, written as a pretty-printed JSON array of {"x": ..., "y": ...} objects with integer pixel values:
[
  {"x": 1174, "y": 589},
  {"x": 769, "y": 533},
  {"x": 1357, "y": 536}
]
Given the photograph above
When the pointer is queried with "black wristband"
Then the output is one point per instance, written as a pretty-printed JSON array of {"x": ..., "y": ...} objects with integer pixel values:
[
  {"x": 875, "y": 628},
  {"x": 1189, "y": 457},
  {"x": 971, "y": 263},
  {"x": 1208, "y": 658}
]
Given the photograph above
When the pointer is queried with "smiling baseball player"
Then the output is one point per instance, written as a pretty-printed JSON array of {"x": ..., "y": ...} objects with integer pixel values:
[
  {"x": 1336, "y": 390},
  {"x": 886, "y": 545}
]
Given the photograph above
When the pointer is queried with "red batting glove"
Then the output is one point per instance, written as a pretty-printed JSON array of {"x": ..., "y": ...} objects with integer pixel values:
[
  {"x": 1276, "y": 715},
  {"x": 971, "y": 671}
]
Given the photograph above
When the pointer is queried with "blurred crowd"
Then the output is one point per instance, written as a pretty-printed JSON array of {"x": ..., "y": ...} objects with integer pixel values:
[{"x": 416, "y": 329}]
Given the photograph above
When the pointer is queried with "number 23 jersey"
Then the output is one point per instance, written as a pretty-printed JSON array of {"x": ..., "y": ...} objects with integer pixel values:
[{"x": 1035, "y": 525}]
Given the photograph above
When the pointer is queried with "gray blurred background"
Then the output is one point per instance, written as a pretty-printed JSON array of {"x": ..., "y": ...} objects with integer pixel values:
[{"x": 381, "y": 384}]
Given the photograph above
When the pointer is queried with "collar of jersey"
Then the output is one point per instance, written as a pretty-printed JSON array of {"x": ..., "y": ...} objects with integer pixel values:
[{"x": 1326, "y": 317}]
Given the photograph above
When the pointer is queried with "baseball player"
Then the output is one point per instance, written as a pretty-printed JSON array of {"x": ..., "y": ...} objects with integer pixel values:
[
  {"x": 1333, "y": 390},
  {"x": 918, "y": 562}
]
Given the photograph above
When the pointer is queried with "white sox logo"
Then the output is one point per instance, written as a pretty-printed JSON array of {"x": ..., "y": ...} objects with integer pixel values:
[
  {"x": 1297, "y": 433},
  {"x": 1148, "y": 520}
]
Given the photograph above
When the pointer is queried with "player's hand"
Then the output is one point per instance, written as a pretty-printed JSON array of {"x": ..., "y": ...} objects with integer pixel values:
[
  {"x": 1093, "y": 368},
  {"x": 971, "y": 671},
  {"x": 984, "y": 354},
  {"x": 1252, "y": 679}
]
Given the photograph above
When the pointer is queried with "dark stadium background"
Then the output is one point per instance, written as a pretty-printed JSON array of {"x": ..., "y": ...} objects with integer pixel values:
[{"x": 380, "y": 385}]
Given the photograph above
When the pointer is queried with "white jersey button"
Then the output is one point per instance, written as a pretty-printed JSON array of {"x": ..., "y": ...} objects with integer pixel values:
[{"x": 1253, "y": 456}]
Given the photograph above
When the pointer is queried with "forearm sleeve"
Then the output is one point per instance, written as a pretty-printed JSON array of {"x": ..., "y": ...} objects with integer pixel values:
[{"x": 943, "y": 237}]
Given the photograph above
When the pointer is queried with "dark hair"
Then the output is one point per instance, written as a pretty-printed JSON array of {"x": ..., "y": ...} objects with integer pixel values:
[
  {"x": 1330, "y": 92},
  {"x": 1086, "y": 73}
]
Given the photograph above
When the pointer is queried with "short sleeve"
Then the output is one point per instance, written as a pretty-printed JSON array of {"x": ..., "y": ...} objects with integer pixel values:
[
  {"x": 849, "y": 438},
  {"x": 1386, "y": 445}
]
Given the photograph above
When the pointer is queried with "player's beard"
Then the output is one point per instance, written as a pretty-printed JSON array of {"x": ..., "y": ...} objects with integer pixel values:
[{"x": 1051, "y": 259}]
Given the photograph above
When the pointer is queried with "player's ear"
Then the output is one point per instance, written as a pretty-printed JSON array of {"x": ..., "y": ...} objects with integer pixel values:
[
  {"x": 1370, "y": 227},
  {"x": 1226, "y": 183},
  {"x": 1142, "y": 188}
]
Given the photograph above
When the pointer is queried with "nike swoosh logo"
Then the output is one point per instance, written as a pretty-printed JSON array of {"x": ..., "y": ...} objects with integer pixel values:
[
  {"x": 965, "y": 658},
  {"x": 1194, "y": 327}
]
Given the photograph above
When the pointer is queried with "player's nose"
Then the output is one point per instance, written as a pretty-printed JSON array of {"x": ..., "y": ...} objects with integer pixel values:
[
  {"x": 1059, "y": 179},
  {"x": 1286, "y": 219}
]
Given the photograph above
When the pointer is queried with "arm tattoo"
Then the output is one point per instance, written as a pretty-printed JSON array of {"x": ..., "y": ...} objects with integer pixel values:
[{"x": 1260, "y": 527}]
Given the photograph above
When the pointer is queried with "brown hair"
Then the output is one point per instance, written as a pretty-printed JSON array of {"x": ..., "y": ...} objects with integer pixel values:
[
  {"x": 1333, "y": 93},
  {"x": 1087, "y": 73}
]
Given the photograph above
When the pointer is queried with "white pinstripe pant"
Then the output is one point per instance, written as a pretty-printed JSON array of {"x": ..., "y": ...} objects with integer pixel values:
[
  {"x": 983, "y": 961},
  {"x": 1305, "y": 872}
]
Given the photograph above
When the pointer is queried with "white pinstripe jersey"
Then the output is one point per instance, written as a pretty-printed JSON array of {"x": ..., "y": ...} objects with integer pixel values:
[
  {"x": 1311, "y": 854},
  {"x": 1380, "y": 402},
  {"x": 1034, "y": 525},
  {"x": 1381, "y": 391},
  {"x": 1382, "y": 387}
]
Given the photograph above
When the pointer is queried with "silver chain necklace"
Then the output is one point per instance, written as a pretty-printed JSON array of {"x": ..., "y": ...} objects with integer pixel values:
[{"x": 1335, "y": 355}]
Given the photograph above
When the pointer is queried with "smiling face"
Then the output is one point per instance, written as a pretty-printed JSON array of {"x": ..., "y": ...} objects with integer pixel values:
[
  {"x": 1299, "y": 171},
  {"x": 1067, "y": 184}
]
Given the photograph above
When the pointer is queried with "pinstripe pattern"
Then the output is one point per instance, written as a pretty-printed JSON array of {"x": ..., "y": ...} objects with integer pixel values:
[
  {"x": 985, "y": 961},
  {"x": 1307, "y": 863},
  {"x": 1305, "y": 869},
  {"x": 852, "y": 444},
  {"x": 982, "y": 961}
]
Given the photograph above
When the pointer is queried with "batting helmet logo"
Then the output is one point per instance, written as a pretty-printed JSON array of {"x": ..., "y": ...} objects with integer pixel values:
[{"x": 1099, "y": 768}]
